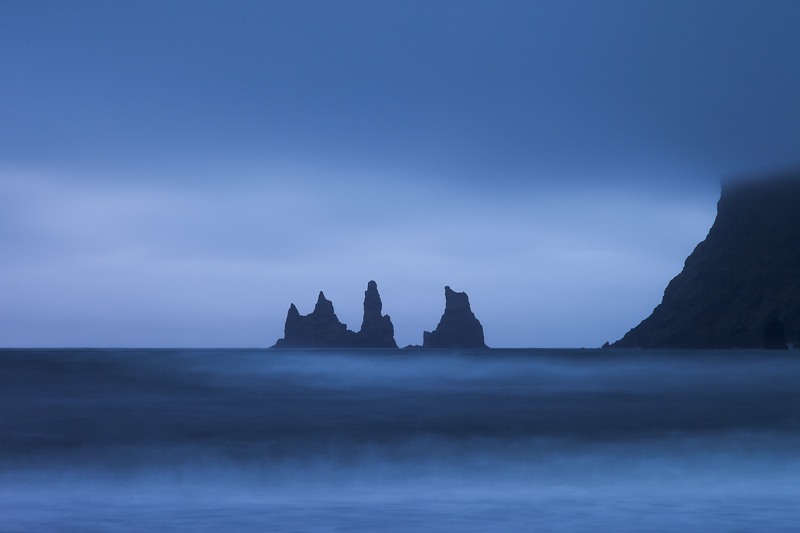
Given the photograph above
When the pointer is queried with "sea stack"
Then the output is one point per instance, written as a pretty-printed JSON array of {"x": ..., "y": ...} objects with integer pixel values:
[
  {"x": 458, "y": 327},
  {"x": 319, "y": 329},
  {"x": 322, "y": 329},
  {"x": 376, "y": 330},
  {"x": 740, "y": 287}
]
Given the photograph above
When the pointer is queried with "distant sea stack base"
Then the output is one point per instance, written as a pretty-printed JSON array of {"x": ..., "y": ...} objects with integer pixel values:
[
  {"x": 458, "y": 327},
  {"x": 740, "y": 287}
]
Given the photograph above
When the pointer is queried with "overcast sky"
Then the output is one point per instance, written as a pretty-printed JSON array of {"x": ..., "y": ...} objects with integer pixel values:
[{"x": 177, "y": 173}]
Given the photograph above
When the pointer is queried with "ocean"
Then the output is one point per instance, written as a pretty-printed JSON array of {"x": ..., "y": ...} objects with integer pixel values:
[{"x": 395, "y": 441}]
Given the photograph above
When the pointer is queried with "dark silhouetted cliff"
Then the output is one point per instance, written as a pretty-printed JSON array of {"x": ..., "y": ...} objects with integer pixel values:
[
  {"x": 740, "y": 288},
  {"x": 458, "y": 326},
  {"x": 322, "y": 329}
]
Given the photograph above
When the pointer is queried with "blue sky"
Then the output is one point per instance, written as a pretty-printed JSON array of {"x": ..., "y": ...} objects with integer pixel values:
[{"x": 176, "y": 173}]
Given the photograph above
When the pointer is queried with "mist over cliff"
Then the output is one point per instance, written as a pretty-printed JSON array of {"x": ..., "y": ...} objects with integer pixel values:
[{"x": 740, "y": 287}]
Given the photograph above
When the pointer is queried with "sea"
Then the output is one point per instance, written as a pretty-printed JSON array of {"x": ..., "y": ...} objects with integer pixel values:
[{"x": 106, "y": 440}]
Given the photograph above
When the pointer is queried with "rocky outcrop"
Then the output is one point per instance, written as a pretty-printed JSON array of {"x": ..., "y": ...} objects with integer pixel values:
[
  {"x": 319, "y": 329},
  {"x": 458, "y": 327},
  {"x": 740, "y": 287},
  {"x": 322, "y": 329},
  {"x": 376, "y": 330}
]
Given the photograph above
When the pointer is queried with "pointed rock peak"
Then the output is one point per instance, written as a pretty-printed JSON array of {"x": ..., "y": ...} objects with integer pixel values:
[
  {"x": 377, "y": 330},
  {"x": 372, "y": 287},
  {"x": 319, "y": 329},
  {"x": 372, "y": 301},
  {"x": 324, "y": 306},
  {"x": 322, "y": 328},
  {"x": 455, "y": 301},
  {"x": 458, "y": 326}
]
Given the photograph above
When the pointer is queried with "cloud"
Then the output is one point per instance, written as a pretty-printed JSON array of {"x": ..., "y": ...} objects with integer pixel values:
[
  {"x": 176, "y": 174},
  {"x": 156, "y": 263}
]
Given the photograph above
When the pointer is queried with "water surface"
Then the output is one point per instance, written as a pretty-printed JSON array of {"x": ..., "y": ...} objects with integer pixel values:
[{"x": 501, "y": 440}]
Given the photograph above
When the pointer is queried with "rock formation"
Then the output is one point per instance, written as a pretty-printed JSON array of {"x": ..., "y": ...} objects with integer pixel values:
[
  {"x": 376, "y": 330},
  {"x": 740, "y": 287},
  {"x": 319, "y": 329},
  {"x": 322, "y": 329},
  {"x": 458, "y": 326}
]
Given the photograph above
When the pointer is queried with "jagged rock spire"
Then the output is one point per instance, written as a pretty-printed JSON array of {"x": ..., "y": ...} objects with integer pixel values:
[
  {"x": 322, "y": 329},
  {"x": 377, "y": 330},
  {"x": 458, "y": 327},
  {"x": 319, "y": 329}
]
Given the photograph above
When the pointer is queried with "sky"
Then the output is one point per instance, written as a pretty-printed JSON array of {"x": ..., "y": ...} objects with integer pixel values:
[{"x": 175, "y": 174}]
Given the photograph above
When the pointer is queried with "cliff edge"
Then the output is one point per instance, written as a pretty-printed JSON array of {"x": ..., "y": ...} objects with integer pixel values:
[{"x": 740, "y": 287}]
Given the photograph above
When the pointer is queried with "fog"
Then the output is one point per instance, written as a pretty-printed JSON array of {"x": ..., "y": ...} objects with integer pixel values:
[{"x": 319, "y": 441}]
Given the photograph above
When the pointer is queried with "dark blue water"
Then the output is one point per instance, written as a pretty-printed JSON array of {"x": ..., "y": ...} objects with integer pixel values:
[{"x": 518, "y": 440}]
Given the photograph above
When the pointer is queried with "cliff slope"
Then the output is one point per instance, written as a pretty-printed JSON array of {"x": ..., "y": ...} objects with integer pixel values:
[{"x": 740, "y": 287}]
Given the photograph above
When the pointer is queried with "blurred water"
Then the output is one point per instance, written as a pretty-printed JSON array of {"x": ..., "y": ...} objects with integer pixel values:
[{"x": 503, "y": 440}]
